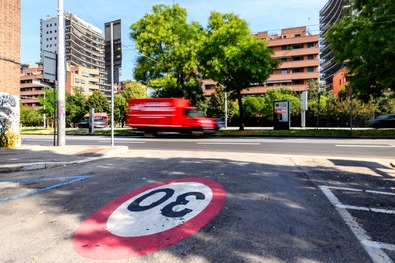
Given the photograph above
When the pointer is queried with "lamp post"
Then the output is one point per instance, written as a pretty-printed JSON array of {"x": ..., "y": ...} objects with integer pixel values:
[{"x": 61, "y": 78}]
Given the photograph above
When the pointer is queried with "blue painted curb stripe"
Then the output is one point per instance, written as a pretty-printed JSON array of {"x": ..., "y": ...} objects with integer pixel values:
[{"x": 74, "y": 179}]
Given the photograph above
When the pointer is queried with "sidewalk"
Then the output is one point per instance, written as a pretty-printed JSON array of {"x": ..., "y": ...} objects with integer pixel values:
[{"x": 27, "y": 157}]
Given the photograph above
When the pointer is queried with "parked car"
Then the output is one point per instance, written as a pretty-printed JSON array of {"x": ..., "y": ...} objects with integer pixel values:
[
  {"x": 220, "y": 123},
  {"x": 383, "y": 121}
]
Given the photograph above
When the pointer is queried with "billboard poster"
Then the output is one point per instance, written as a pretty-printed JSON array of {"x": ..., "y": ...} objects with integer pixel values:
[{"x": 281, "y": 115}]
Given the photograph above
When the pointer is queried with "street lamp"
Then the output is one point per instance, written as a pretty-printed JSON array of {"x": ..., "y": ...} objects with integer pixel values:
[{"x": 61, "y": 78}]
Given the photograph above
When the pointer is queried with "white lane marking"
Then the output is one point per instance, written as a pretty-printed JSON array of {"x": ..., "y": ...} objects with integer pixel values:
[
  {"x": 374, "y": 249},
  {"x": 363, "y": 146},
  {"x": 119, "y": 140},
  {"x": 229, "y": 143},
  {"x": 367, "y": 209}
]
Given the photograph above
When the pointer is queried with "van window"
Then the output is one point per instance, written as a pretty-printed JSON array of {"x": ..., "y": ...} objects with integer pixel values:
[{"x": 192, "y": 113}]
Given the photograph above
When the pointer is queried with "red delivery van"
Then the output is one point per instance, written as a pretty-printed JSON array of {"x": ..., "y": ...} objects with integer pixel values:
[{"x": 168, "y": 115}]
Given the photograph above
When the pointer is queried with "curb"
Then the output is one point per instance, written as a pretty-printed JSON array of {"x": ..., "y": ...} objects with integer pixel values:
[{"x": 47, "y": 165}]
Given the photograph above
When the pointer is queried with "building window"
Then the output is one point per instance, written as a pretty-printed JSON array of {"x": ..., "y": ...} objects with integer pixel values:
[
  {"x": 283, "y": 47},
  {"x": 82, "y": 81},
  {"x": 310, "y": 69},
  {"x": 310, "y": 57},
  {"x": 310, "y": 45},
  {"x": 297, "y": 35},
  {"x": 284, "y": 71},
  {"x": 284, "y": 60},
  {"x": 77, "y": 80}
]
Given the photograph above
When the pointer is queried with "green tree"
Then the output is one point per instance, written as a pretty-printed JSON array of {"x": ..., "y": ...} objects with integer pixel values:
[
  {"x": 216, "y": 108},
  {"x": 231, "y": 56},
  {"x": 98, "y": 101},
  {"x": 365, "y": 40},
  {"x": 47, "y": 104},
  {"x": 120, "y": 108},
  {"x": 134, "y": 90},
  {"x": 168, "y": 46},
  {"x": 253, "y": 106},
  {"x": 75, "y": 107},
  {"x": 30, "y": 117}
]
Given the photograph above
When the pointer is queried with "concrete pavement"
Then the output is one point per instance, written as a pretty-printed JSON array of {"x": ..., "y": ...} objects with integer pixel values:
[{"x": 28, "y": 157}]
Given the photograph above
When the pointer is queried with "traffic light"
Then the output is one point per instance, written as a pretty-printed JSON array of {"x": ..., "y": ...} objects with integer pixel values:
[{"x": 117, "y": 54}]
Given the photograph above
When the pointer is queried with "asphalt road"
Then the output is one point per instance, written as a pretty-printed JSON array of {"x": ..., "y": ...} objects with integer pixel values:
[
  {"x": 353, "y": 148},
  {"x": 248, "y": 206}
]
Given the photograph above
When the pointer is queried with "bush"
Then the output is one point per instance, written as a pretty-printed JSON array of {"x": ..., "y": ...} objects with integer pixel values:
[{"x": 8, "y": 139}]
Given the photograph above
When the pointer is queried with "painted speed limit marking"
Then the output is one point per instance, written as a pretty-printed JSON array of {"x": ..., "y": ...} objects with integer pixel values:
[{"x": 149, "y": 219}]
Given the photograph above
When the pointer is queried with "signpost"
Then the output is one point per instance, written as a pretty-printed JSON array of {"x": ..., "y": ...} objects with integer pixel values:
[
  {"x": 303, "y": 107},
  {"x": 113, "y": 59},
  {"x": 50, "y": 73}
]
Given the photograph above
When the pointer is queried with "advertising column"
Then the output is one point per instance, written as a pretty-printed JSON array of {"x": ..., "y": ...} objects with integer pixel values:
[{"x": 281, "y": 115}]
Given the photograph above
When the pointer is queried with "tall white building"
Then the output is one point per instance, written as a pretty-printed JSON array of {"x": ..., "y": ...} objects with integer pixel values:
[{"x": 84, "y": 45}]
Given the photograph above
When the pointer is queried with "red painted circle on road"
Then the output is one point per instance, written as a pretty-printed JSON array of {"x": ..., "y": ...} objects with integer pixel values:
[{"x": 149, "y": 219}]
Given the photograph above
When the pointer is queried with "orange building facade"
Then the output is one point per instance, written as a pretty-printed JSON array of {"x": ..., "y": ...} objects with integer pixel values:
[
  {"x": 298, "y": 52},
  {"x": 339, "y": 81},
  {"x": 78, "y": 78}
]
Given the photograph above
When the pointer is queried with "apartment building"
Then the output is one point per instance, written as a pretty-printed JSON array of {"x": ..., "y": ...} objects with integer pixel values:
[
  {"x": 84, "y": 45},
  {"x": 331, "y": 13},
  {"x": 82, "y": 79},
  {"x": 32, "y": 84},
  {"x": 298, "y": 52}
]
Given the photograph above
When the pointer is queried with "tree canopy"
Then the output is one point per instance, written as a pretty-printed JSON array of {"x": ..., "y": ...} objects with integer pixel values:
[
  {"x": 98, "y": 101},
  {"x": 134, "y": 90},
  {"x": 365, "y": 41},
  {"x": 231, "y": 56},
  {"x": 168, "y": 44}
]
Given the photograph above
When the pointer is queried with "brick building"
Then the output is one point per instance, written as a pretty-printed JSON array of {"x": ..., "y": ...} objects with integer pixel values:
[
  {"x": 9, "y": 64},
  {"x": 298, "y": 52},
  {"x": 77, "y": 78}
]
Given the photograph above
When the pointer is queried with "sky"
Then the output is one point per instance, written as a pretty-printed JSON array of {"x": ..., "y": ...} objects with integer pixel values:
[{"x": 261, "y": 15}]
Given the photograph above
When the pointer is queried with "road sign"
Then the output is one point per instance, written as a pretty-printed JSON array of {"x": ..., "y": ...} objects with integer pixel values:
[
  {"x": 149, "y": 219},
  {"x": 50, "y": 65}
]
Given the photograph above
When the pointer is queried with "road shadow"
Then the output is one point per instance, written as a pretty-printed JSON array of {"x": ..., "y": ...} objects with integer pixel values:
[{"x": 274, "y": 212}]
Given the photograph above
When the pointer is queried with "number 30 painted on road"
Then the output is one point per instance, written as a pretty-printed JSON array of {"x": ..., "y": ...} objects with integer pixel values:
[{"x": 149, "y": 219}]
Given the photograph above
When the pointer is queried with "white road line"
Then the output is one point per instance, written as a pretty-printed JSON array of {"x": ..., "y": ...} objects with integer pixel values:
[
  {"x": 120, "y": 140},
  {"x": 367, "y": 209},
  {"x": 229, "y": 143},
  {"x": 363, "y": 146},
  {"x": 376, "y": 252}
]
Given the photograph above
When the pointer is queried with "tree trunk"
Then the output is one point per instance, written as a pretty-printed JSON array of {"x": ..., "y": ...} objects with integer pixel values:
[{"x": 241, "y": 111}]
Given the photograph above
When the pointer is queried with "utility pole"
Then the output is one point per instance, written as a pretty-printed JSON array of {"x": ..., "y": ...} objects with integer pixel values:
[
  {"x": 112, "y": 84},
  {"x": 61, "y": 78}
]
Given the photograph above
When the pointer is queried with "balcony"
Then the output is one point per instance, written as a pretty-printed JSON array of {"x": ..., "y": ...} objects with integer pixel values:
[
  {"x": 296, "y": 52},
  {"x": 293, "y": 76},
  {"x": 299, "y": 64}
]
